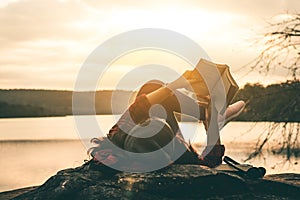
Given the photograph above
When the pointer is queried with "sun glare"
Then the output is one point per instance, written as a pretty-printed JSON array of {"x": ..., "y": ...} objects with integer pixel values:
[{"x": 137, "y": 67}]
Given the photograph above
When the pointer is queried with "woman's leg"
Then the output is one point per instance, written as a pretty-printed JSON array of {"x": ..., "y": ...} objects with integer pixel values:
[{"x": 178, "y": 102}]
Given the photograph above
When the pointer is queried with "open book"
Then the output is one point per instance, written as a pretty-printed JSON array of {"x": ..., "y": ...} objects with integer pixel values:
[{"x": 217, "y": 76}]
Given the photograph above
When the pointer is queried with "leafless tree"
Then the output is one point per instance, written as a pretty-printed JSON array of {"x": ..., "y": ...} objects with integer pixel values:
[{"x": 281, "y": 49}]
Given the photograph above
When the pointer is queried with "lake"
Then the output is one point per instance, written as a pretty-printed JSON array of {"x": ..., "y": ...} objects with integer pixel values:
[{"x": 33, "y": 149}]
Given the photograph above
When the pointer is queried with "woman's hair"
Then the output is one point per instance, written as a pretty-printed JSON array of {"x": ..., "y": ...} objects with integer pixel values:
[{"x": 149, "y": 136}]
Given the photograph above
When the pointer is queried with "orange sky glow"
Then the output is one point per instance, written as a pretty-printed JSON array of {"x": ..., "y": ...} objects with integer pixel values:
[{"x": 44, "y": 43}]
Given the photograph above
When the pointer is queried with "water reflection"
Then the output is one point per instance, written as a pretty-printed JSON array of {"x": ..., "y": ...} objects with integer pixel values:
[
  {"x": 33, "y": 149},
  {"x": 33, "y": 162}
]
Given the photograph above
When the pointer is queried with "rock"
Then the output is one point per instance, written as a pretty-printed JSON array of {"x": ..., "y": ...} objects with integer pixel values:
[
  {"x": 173, "y": 182},
  {"x": 13, "y": 193},
  {"x": 290, "y": 178}
]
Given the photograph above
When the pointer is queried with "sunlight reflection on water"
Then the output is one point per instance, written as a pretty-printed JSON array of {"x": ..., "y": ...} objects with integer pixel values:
[{"x": 33, "y": 149}]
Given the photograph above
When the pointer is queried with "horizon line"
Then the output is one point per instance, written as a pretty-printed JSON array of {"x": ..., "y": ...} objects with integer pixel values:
[{"x": 124, "y": 89}]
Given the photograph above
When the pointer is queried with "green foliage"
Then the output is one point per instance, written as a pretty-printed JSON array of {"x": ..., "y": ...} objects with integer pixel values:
[
  {"x": 13, "y": 110},
  {"x": 277, "y": 102}
]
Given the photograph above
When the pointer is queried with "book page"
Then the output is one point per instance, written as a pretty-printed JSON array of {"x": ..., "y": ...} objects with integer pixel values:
[{"x": 221, "y": 84}]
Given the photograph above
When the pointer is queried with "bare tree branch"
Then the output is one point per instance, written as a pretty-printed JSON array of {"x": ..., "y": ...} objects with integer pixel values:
[{"x": 281, "y": 49}]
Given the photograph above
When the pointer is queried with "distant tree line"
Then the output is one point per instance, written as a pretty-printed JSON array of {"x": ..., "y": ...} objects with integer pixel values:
[
  {"x": 42, "y": 103},
  {"x": 277, "y": 102}
]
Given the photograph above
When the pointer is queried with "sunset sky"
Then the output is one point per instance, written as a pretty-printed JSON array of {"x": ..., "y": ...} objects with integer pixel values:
[{"x": 45, "y": 42}]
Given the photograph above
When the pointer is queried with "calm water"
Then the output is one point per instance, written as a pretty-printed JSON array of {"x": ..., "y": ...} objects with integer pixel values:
[{"x": 33, "y": 149}]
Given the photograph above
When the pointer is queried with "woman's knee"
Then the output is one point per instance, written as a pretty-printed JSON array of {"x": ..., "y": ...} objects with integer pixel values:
[{"x": 150, "y": 86}]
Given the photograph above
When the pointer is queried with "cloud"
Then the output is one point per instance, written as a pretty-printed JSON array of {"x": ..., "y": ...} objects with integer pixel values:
[
  {"x": 40, "y": 44},
  {"x": 258, "y": 8},
  {"x": 51, "y": 39},
  {"x": 34, "y": 19}
]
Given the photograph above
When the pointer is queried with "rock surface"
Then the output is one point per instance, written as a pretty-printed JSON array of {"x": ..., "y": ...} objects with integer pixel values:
[{"x": 173, "y": 182}]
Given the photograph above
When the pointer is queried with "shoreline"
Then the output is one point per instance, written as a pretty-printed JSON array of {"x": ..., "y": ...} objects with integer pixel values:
[
  {"x": 9, "y": 194},
  {"x": 186, "y": 119}
]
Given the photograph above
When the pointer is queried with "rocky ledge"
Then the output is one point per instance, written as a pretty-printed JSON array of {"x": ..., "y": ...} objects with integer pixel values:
[{"x": 173, "y": 182}]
